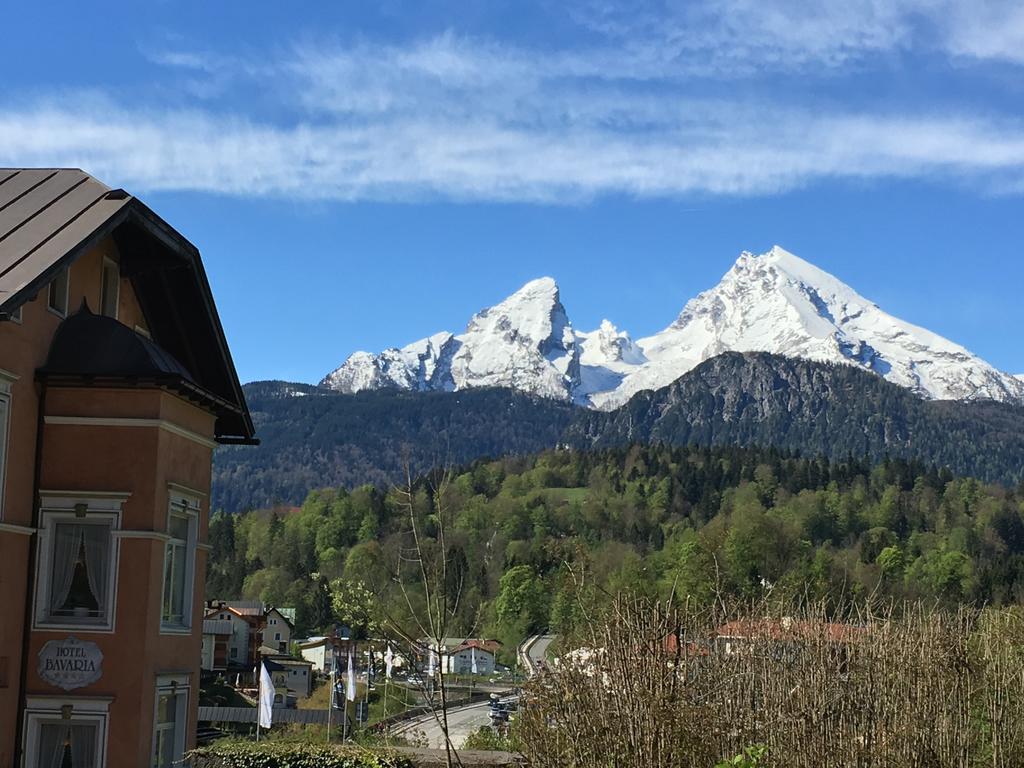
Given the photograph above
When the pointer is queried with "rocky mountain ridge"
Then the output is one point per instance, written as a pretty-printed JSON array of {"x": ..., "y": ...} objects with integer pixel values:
[{"x": 774, "y": 302}]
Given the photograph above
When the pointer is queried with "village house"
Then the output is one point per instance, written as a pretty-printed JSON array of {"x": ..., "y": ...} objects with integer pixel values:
[
  {"x": 322, "y": 652},
  {"x": 216, "y": 641},
  {"x": 254, "y": 626},
  {"x": 116, "y": 384},
  {"x": 459, "y": 655},
  {"x": 297, "y": 674},
  {"x": 278, "y": 630}
]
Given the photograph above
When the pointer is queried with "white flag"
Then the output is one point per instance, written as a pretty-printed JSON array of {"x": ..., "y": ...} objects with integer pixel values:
[
  {"x": 472, "y": 659},
  {"x": 389, "y": 662},
  {"x": 350, "y": 692},
  {"x": 430, "y": 663},
  {"x": 266, "y": 697}
]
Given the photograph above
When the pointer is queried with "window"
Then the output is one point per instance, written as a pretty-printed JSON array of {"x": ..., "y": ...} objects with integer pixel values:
[
  {"x": 179, "y": 563},
  {"x": 80, "y": 572},
  {"x": 277, "y": 635},
  {"x": 78, "y": 554},
  {"x": 110, "y": 288},
  {"x": 170, "y": 721},
  {"x": 16, "y": 315},
  {"x": 65, "y": 732},
  {"x": 58, "y": 293}
]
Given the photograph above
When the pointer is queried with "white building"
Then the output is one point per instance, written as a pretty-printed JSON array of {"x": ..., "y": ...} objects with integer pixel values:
[
  {"x": 322, "y": 652},
  {"x": 278, "y": 630},
  {"x": 459, "y": 655}
]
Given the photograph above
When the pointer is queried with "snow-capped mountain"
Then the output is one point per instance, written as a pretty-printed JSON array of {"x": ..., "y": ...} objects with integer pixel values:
[
  {"x": 526, "y": 342},
  {"x": 773, "y": 302}
]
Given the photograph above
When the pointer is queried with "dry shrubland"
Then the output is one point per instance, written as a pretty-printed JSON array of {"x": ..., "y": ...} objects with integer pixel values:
[{"x": 665, "y": 685}]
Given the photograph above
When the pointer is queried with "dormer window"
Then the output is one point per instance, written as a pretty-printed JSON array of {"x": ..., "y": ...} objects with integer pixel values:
[
  {"x": 110, "y": 289},
  {"x": 57, "y": 295}
]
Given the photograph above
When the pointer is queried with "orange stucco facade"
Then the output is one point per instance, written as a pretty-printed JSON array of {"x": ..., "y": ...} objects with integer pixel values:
[{"x": 130, "y": 450}]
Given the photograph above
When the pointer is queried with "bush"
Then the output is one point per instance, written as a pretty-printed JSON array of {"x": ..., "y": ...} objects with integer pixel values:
[{"x": 248, "y": 754}]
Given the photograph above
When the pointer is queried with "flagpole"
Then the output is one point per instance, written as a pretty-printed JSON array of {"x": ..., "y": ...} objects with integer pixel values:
[
  {"x": 259, "y": 683},
  {"x": 331, "y": 699}
]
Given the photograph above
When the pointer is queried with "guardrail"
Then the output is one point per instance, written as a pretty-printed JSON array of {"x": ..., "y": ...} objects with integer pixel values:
[
  {"x": 524, "y": 655},
  {"x": 248, "y": 715}
]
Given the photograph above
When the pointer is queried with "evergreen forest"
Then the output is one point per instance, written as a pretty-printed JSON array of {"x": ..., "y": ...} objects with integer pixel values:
[{"x": 535, "y": 542}]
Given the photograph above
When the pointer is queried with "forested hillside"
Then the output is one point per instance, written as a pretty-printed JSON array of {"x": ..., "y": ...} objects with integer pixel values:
[
  {"x": 818, "y": 409},
  {"x": 536, "y": 540},
  {"x": 313, "y": 438}
]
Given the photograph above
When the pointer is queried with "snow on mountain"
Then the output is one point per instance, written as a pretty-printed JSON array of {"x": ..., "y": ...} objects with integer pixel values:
[
  {"x": 773, "y": 302},
  {"x": 526, "y": 342},
  {"x": 777, "y": 302}
]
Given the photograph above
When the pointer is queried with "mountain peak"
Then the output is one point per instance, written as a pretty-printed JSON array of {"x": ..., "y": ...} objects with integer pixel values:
[{"x": 772, "y": 302}]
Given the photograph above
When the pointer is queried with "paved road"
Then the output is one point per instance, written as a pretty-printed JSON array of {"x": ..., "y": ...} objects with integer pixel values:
[
  {"x": 462, "y": 721},
  {"x": 539, "y": 650},
  {"x": 533, "y": 653}
]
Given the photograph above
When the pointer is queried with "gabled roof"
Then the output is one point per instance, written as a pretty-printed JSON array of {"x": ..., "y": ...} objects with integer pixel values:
[
  {"x": 282, "y": 613},
  {"x": 246, "y": 607},
  {"x": 488, "y": 646},
  {"x": 51, "y": 216}
]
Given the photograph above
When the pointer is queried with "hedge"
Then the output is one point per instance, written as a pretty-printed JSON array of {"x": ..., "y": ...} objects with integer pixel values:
[{"x": 241, "y": 754}]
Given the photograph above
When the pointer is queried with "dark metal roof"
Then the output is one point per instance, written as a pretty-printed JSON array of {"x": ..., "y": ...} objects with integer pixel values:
[
  {"x": 51, "y": 216},
  {"x": 45, "y": 214},
  {"x": 94, "y": 345}
]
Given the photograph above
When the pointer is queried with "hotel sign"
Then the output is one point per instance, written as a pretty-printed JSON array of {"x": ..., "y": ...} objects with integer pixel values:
[{"x": 70, "y": 663}]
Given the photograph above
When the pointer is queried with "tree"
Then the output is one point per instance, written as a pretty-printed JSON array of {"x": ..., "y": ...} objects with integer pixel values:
[
  {"x": 357, "y": 608},
  {"x": 521, "y": 599}
]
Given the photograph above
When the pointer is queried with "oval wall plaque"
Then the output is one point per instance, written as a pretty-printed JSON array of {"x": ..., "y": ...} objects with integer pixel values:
[{"x": 70, "y": 663}]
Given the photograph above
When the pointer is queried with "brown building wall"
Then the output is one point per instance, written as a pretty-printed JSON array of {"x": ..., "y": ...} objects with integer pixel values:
[
  {"x": 144, "y": 461},
  {"x": 167, "y": 442}
]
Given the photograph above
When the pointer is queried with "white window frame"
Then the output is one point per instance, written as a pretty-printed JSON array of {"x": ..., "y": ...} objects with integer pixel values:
[
  {"x": 50, "y": 709},
  {"x": 178, "y": 686},
  {"x": 64, "y": 275},
  {"x": 5, "y": 432},
  {"x": 188, "y": 505},
  {"x": 108, "y": 263},
  {"x": 75, "y": 506}
]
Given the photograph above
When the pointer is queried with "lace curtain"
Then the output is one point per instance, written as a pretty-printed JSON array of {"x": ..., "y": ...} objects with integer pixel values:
[
  {"x": 97, "y": 562},
  {"x": 83, "y": 746},
  {"x": 67, "y": 543},
  {"x": 70, "y": 538},
  {"x": 53, "y": 739}
]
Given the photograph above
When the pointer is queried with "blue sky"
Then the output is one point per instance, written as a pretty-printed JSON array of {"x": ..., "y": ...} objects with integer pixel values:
[{"x": 359, "y": 175}]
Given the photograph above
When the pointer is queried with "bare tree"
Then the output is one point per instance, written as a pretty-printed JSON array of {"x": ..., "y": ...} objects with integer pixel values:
[
  {"x": 662, "y": 684},
  {"x": 431, "y": 586}
]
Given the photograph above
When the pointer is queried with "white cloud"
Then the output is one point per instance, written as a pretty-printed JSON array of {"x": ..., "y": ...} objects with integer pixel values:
[
  {"x": 737, "y": 152},
  {"x": 468, "y": 118}
]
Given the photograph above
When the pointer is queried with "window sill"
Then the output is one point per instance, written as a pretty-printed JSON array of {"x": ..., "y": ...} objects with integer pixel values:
[
  {"x": 80, "y": 627},
  {"x": 174, "y": 629}
]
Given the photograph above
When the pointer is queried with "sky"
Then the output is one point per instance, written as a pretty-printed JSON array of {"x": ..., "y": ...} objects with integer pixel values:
[{"x": 360, "y": 175}]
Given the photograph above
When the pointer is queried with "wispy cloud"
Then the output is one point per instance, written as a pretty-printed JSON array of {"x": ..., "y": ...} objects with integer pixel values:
[{"x": 625, "y": 113}]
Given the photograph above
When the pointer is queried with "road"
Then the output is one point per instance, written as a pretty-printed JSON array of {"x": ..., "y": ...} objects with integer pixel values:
[
  {"x": 462, "y": 721},
  {"x": 533, "y": 653}
]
